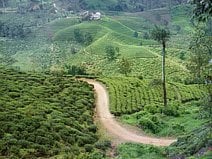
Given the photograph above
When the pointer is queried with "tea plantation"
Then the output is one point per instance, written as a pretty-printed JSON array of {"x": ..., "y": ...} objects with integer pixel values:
[{"x": 46, "y": 116}]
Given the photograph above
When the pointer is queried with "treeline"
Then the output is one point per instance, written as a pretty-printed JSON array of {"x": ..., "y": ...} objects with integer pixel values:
[
  {"x": 111, "y": 5},
  {"x": 13, "y": 30},
  {"x": 131, "y": 5}
]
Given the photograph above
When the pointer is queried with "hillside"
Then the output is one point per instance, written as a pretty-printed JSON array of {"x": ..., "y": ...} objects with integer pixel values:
[
  {"x": 119, "y": 31},
  {"x": 69, "y": 42},
  {"x": 48, "y": 48},
  {"x": 45, "y": 116}
]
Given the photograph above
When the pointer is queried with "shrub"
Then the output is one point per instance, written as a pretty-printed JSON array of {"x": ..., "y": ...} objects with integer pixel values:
[
  {"x": 103, "y": 145},
  {"x": 172, "y": 109},
  {"x": 92, "y": 128},
  {"x": 191, "y": 143},
  {"x": 178, "y": 127},
  {"x": 135, "y": 34},
  {"x": 150, "y": 122},
  {"x": 88, "y": 148},
  {"x": 76, "y": 70},
  {"x": 155, "y": 82},
  {"x": 154, "y": 108},
  {"x": 111, "y": 52}
]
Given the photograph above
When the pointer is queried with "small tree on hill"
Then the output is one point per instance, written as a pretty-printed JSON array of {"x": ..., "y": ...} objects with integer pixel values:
[
  {"x": 125, "y": 66},
  {"x": 111, "y": 52},
  {"x": 162, "y": 36},
  {"x": 135, "y": 34},
  {"x": 78, "y": 36}
]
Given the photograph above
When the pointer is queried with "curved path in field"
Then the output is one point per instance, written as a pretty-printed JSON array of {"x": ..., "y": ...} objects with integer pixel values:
[{"x": 114, "y": 128}]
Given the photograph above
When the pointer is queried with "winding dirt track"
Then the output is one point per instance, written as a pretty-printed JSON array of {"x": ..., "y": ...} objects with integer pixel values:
[{"x": 116, "y": 129}]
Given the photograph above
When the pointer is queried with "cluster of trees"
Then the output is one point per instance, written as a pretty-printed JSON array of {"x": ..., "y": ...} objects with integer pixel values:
[
  {"x": 129, "y": 5},
  {"x": 112, "y": 52},
  {"x": 202, "y": 10},
  {"x": 76, "y": 70},
  {"x": 116, "y": 5},
  {"x": 77, "y": 5},
  {"x": 13, "y": 30},
  {"x": 83, "y": 38}
]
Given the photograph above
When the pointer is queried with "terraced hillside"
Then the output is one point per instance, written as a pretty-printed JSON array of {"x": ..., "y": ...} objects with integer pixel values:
[
  {"x": 130, "y": 95},
  {"x": 55, "y": 44},
  {"x": 139, "y": 103},
  {"x": 131, "y": 36}
]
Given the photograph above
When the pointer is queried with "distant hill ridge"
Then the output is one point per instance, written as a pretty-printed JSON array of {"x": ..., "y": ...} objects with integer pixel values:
[
  {"x": 103, "y": 5},
  {"x": 119, "y": 5}
]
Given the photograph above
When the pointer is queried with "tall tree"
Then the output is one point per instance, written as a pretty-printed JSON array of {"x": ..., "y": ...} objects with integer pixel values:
[
  {"x": 162, "y": 35},
  {"x": 201, "y": 52},
  {"x": 203, "y": 13},
  {"x": 202, "y": 9}
]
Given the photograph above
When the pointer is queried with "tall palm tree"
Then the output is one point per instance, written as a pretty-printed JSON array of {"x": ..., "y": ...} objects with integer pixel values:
[{"x": 162, "y": 35}]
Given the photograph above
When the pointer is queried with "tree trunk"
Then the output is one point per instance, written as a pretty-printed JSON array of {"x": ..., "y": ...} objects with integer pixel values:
[{"x": 164, "y": 74}]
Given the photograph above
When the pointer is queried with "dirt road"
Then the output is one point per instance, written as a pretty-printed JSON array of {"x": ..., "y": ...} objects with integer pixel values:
[{"x": 116, "y": 129}]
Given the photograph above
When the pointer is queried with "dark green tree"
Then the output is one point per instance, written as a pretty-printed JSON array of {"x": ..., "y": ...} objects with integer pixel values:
[
  {"x": 88, "y": 38},
  {"x": 202, "y": 9},
  {"x": 201, "y": 51},
  {"x": 125, "y": 66},
  {"x": 78, "y": 36},
  {"x": 111, "y": 52},
  {"x": 162, "y": 35},
  {"x": 201, "y": 48},
  {"x": 135, "y": 34}
]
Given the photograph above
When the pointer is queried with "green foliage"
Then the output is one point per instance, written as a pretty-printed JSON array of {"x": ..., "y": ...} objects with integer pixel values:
[
  {"x": 135, "y": 151},
  {"x": 45, "y": 116},
  {"x": 13, "y": 30},
  {"x": 192, "y": 143},
  {"x": 202, "y": 10},
  {"x": 125, "y": 66},
  {"x": 172, "y": 109},
  {"x": 77, "y": 32},
  {"x": 160, "y": 34},
  {"x": 111, "y": 52},
  {"x": 76, "y": 70},
  {"x": 135, "y": 34},
  {"x": 129, "y": 95},
  {"x": 103, "y": 145},
  {"x": 200, "y": 46},
  {"x": 78, "y": 36},
  {"x": 153, "y": 121},
  {"x": 85, "y": 38}
]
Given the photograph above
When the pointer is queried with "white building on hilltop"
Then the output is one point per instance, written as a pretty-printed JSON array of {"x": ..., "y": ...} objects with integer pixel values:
[{"x": 95, "y": 16}]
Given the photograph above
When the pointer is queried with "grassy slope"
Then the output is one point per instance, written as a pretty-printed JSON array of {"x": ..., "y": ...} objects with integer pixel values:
[
  {"x": 119, "y": 31},
  {"x": 115, "y": 30}
]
